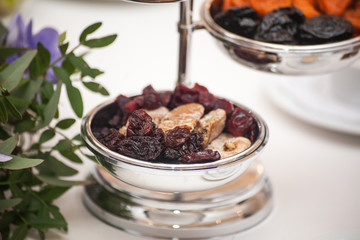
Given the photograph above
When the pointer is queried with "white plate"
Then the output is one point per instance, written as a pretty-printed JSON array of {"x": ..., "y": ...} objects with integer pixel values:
[{"x": 329, "y": 101}]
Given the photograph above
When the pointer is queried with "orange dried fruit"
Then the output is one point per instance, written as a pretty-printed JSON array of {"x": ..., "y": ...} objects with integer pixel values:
[
  {"x": 265, "y": 6},
  {"x": 234, "y": 3},
  {"x": 337, "y": 7},
  {"x": 307, "y": 7}
]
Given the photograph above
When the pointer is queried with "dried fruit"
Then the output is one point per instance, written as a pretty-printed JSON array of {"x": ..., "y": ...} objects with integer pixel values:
[
  {"x": 325, "y": 28},
  {"x": 239, "y": 123},
  {"x": 333, "y": 6},
  {"x": 141, "y": 147},
  {"x": 307, "y": 7},
  {"x": 140, "y": 124},
  {"x": 201, "y": 156},
  {"x": 265, "y": 6},
  {"x": 226, "y": 4},
  {"x": 193, "y": 144},
  {"x": 112, "y": 139},
  {"x": 176, "y": 137},
  {"x": 240, "y": 20},
  {"x": 280, "y": 26}
]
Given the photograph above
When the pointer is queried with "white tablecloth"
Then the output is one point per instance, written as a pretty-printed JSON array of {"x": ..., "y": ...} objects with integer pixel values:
[{"x": 314, "y": 171}]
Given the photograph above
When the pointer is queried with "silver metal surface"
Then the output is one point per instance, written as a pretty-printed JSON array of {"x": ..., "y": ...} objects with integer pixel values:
[
  {"x": 185, "y": 28},
  {"x": 172, "y": 177},
  {"x": 228, "y": 209},
  {"x": 279, "y": 58}
]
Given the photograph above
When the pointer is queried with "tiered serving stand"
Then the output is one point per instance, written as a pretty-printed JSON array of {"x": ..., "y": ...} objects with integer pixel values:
[{"x": 196, "y": 201}]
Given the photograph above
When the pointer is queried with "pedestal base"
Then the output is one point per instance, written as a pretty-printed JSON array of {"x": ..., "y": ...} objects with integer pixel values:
[{"x": 225, "y": 210}]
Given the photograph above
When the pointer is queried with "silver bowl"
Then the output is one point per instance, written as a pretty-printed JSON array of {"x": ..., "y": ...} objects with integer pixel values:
[
  {"x": 279, "y": 58},
  {"x": 171, "y": 177}
]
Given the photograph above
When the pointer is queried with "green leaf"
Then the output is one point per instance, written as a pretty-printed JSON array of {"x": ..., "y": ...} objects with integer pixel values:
[
  {"x": 12, "y": 109},
  {"x": 12, "y": 74},
  {"x": 71, "y": 156},
  {"x": 46, "y": 135},
  {"x": 62, "y": 74},
  {"x": 63, "y": 145},
  {"x": 7, "y": 52},
  {"x": 3, "y": 32},
  {"x": 8, "y": 145},
  {"x": 53, "y": 167},
  {"x": 51, "y": 107},
  {"x": 100, "y": 42},
  {"x": 91, "y": 157},
  {"x": 65, "y": 123},
  {"x": 90, "y": 29},
  {"x": 49, "y": 193},
  {"x": 68, "y": 67},
  {"x": 75, "y": 99},
  {"x": 27, "y": 91},
  {"x": 53, "y": 181},
  {"x": 62, "y": 38},
  {"x": 20, "y": 233},
  {"x": 4, "y": 117},
  {"x": 9, "y": 203},
  {"x": 39, "y": 66},
  {"x": 24, "y": 126},
  {"x": 96, "y": 87},
  {"x": 80, "y": 64},
  {"x": 20, "y": 163},
  {"x": 78, "y": 138},
  {"x": 63, "y": 48}
]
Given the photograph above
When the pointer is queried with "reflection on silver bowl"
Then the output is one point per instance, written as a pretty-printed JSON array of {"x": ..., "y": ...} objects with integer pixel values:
[
  {"x": 171, "y": 177},
  {"x": 279, "y": 58}
]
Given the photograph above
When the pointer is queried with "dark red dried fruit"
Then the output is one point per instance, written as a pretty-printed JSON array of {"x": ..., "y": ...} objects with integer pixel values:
[
  {"x": 177, "y": 137},
  {"x": 166, "y": 98},
  {"x": 324, "y": 29},
  {"x": 112, "y": 139},
  {"x": 239, "y": 122},
  {"x": 141, "y": 147},
  {"x": 159, "y": 134},
  {"x": 152, "y": 99},
  {"x": 121, "y": 101},
  {"x": 134, "y": 104},
  {"x": 140, "y": 124},
  {"x": 193, "y": 144},
  {"x": 253, "y": 132},
  {"x": 201, "y": 156},
  {"x": 280, "y": 26}
]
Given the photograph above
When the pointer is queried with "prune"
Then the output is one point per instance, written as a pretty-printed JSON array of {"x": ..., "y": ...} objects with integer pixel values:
[
  {"x": 280, "y": 26},
  {"x": 239, "y": 123},
  {"x": 324, "y": 29},
  {"x": 176, "y": 137},
  {"x": 112, "y": 139},
  {"x": 201, "y": 156},
  {"x": 240, "y": 20},
  {"x": 193, "y": 144},
  {"x": 141, "y": 147},
  {"x": 140, "y": 124}
]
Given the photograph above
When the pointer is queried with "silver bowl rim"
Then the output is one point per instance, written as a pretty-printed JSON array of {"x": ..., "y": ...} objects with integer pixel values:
[
  {"x": 221, "y": 33},
  {"x": 117, "y": 159}
]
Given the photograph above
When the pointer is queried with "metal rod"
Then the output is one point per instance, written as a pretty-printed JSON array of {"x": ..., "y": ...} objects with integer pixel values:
[{"x": 185, "y": 28}]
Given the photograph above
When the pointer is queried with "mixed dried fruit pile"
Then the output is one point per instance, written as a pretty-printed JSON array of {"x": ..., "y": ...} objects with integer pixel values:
[
  {"x": 295, "y": 22},
  {"x": 188, "y": 125}
]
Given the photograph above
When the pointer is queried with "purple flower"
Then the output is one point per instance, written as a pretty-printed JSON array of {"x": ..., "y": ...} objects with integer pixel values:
[
  {"x": 4, "y": 158},
  {"x": 21, "y": 36}
]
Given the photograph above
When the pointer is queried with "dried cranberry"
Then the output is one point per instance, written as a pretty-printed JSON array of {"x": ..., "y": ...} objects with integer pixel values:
[
  {"x": 253, "y": 132},
  {"x": 224, "y": 104},
  {"x": 112, "y": 139},
  {"x": 201, "y": 156},
  {"x": 239, "y": 122},
  {"x": 141, "y": 147},
  {"x": 152, "y": 101},
  {"x": 149, "y": 90},
  {"x": 183, "y": 95},
  {"x": 176, "y": 137},
  {"x": 121, "y": 101},
  {"x": 140, "y": 124},
  {"x": 166, "y": 98}
]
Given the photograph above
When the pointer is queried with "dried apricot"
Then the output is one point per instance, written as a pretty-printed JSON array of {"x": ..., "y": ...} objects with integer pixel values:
[
  {"x": 333, "y": 6},
  {"x": 307, "y": 7},
  {"x": 265, "y": 6},
  {"x": 234, "y": 3}
]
